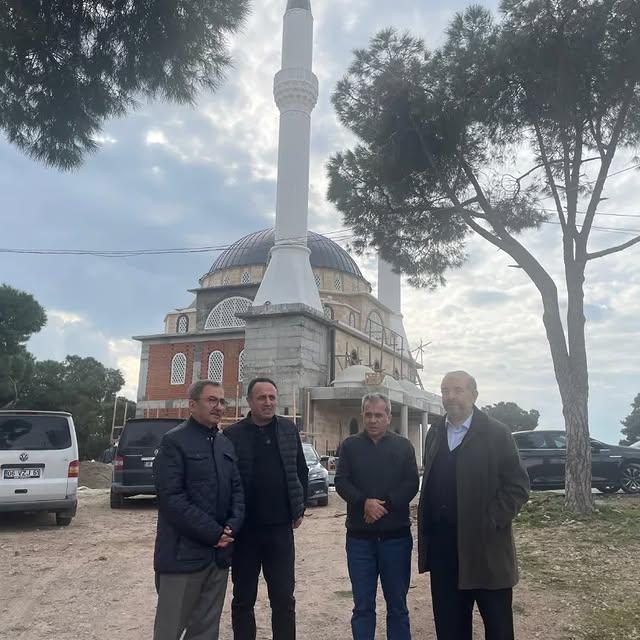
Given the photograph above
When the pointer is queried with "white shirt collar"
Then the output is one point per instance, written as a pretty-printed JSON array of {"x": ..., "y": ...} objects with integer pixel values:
[{"x": 465, "y": 425}]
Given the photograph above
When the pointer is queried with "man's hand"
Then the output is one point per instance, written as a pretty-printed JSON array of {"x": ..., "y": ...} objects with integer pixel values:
[
  {"x": 374, "y": 509},
  {"x": 297, "y": 523},
  {"x": 225, "y": 539}
]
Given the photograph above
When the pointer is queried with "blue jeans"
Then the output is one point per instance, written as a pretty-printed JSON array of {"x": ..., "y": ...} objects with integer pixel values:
[{"x": 391, "y": 560}]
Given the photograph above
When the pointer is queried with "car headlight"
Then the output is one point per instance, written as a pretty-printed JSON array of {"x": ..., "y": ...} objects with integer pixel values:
[{"x": 316, "y": 474}]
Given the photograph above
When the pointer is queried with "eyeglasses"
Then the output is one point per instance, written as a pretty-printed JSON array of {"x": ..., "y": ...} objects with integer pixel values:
[{"x": 213, "y": 401}]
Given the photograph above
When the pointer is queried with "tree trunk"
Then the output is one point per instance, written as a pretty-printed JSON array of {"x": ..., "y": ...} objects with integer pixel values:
[
  {"x": 572, "y": 378},
  {"x": 578, "y": 496}
]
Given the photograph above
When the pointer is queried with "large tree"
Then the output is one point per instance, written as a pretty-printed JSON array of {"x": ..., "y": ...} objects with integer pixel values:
[
  {"x": 554, "y": 83},
  {"x": 82, "y": 386},
  {"x": 631, "y": 424},
  {"x": 67, "y": 65},
  {"x": 20, "y": 317},
  {"x": 515, "y": 417}
]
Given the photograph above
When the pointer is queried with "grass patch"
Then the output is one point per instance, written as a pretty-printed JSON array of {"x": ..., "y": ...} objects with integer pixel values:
[
  {"x": 616, "y": 518},
  {"x": 621, "y": 622},
  {"x": 583, "y": 562},
  {"x": 346, "y": 593}
]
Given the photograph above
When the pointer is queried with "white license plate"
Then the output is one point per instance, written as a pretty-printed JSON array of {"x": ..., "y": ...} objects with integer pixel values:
[
  {"x": 148, "y": 463},
  {"x": 20, "y": 474}
]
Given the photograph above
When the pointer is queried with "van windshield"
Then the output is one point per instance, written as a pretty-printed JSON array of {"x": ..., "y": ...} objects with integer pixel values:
[
  {"x": 145, "y": 433},
  {"x": 34, "y": 433}
]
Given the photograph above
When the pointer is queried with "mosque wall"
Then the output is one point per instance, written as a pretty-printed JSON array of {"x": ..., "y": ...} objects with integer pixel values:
[
  {"x": 331, "y": 424},
  {"x": 159, "y": 385}
]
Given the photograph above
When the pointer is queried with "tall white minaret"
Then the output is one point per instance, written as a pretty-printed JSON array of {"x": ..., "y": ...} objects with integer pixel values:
[
  {"x": 390, "y": 295},
  {"x": 289, "y": 278}
]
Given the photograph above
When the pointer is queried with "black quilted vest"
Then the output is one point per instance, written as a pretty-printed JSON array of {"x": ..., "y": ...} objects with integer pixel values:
[{"x": 241, "y": 435}]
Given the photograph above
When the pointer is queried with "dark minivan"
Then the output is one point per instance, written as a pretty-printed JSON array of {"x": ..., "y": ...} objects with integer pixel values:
[{"x": 133, "y": 462}]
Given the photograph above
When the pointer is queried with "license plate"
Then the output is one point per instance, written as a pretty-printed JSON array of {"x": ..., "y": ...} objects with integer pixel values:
[
  {"x": 20, "y": 474},
  {"x": 148, "y": 463}
]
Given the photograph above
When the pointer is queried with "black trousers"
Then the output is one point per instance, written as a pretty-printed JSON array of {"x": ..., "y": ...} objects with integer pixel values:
[
  {"x": 271, "y": 549},
  {"x": 453, "y": 607}
]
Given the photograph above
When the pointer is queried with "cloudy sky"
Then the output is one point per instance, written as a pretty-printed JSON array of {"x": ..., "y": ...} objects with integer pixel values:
[{"x": 170, "y": 176}]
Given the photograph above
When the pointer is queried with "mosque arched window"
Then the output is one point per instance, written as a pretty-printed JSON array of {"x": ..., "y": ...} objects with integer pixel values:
[
  {"x": 246, "y": 278},
  {"x": 225, "y": 280},
  {"x": 328, "y": 312},
  {"x": 338, "y": 282},
  {"x": 316, "y": 277},
  {"x": 241, "y": 366},
  {"x": 182, "y": 324},
  {"x": 223, "y": 315},
  {"x": 352, "y": 319},
  {"x": 179, "y": 369},
  {"x": 215, "y": 369},
  {"x": 374, "y": 326}
]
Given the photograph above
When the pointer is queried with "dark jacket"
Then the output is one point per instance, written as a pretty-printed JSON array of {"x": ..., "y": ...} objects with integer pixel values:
[
  {"x": 199, "y": 493},
  {"x": 491, "y": 488},
  {"x": 386, "y": 471},
  {"x": 295, "y": 467}
]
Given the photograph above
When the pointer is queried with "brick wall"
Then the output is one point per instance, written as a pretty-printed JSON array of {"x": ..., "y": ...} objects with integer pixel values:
[{"x": 159, "y": 385}]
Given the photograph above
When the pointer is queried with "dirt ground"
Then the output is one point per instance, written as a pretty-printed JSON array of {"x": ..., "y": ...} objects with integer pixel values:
[{"x": 94, "y": 580}]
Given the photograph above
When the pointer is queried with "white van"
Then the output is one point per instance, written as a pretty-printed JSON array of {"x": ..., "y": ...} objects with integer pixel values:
[{"x": 39, "y": 463}]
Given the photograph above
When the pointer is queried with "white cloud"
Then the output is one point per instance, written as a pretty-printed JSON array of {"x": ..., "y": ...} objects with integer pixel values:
[{"x": 69, "y": 333}]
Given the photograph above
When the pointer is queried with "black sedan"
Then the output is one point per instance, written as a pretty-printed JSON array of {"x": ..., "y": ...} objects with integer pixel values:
[{"x": 544, "y": 453}]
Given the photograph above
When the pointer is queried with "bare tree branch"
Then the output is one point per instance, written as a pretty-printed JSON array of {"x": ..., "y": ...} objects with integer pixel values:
[
  {"x": 606, "y": 163},
  {"x": 607, "y": 252},
  {"x": 550, "y": 179}
]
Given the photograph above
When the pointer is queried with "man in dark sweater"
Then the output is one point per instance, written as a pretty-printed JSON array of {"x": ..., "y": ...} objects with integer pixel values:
[
  {"x": 200, "y": 510},
  {"x": 472, "y": 489},
  {"x": 275, "y": 477},
  {"x": 377, "y": 476}
]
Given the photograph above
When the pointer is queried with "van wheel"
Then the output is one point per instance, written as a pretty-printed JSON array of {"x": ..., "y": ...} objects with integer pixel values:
[
  {"x": 116, "y": 500},
  {"x": 63, "y": 520}
]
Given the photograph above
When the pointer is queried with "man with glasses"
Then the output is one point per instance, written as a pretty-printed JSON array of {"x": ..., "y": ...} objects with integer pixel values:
[
  {"x": 377, "y": 476},
  {"x": 200, "y": 510}
]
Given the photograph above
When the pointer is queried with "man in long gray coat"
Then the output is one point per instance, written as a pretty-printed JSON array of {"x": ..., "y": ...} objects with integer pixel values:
[{"x": 473, "y": 487}]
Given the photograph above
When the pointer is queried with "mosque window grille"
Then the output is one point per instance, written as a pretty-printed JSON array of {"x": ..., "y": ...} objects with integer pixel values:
[
  {"x": 352, "y": 319},
  {"x": 338, "y": 283},
  {"x": 245, "y": 278},
  {"x": 374, "y": 326},
  {"x": 182, "y": 324},
  {"x": 179, "y": 369},
  {"x": 241, "y": 366},
  {"x": 317, "y": 279},
  {"x": 225, "y": 280},
  {"x": 328, "y": 312},
  {"x": 223, "y": 315},
  {"x": 215, "y": 369}
]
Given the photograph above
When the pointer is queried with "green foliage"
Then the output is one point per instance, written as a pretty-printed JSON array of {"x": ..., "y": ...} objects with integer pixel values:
[
  {"x": 85, "y": 388},
  {"x": 20, "y": 317},
  {"x": 631, "y": 424},
  {"x": 68, "y": 65},
  {"x": 516, "y": 418},
  {"x": 439, "y": 131}
]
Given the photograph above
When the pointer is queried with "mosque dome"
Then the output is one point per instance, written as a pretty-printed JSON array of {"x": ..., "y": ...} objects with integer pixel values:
[{"x": 254, "y": 249}]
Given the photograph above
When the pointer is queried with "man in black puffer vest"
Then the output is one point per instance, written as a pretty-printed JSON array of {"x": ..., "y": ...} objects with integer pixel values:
[
  {"x": 275, "y": 477},
  {"x": 200, "y": 510}
]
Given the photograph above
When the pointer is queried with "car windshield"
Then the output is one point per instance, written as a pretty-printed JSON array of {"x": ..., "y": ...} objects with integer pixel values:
[
  {"x": 34, "y": 433},
  {"x": 310, "y": 454},
  {"x": 145, "y": 433}
]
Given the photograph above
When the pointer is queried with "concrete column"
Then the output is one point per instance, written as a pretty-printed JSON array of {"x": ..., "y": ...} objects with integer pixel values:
[{"x": 404, "y": 421}]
